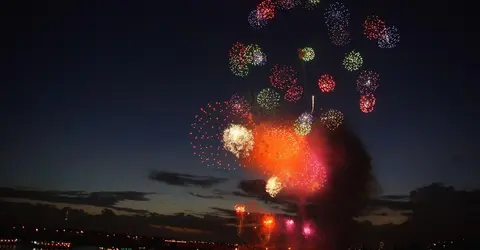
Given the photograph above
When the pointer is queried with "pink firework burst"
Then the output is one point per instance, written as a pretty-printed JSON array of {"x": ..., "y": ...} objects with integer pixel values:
[
  {"x": 367, "y": 82},
  {"x": 239, "y": 106},
  {"x": 374, "y": 27},
  {"x": 207, "y": 128},
  {"x": 326, "y": 83},
  {"x": 283, "y": 77},
  {"x": 289, "y": 225},
  {"x": 307, "y": 230},
  {"x": 294, "y": 93},
  {"x": 367, "y": 103}
]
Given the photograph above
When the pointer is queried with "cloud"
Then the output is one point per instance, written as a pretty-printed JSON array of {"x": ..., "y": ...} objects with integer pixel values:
[
  {"x": 98, "y": 199},
  {"x": 206, "y": 196},
  {"x": 178, "y": 179},
  {"x": 256, "y": 189},
  {"x": 395, "y": 197},
  {"x": 391, "y": 204}
]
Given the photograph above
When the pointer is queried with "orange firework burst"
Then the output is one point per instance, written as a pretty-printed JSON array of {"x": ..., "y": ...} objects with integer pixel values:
[
  {"x": 268, "y": 222},
  {"x": 278, "y": 148},
  {"x": 240, "y": 210}
]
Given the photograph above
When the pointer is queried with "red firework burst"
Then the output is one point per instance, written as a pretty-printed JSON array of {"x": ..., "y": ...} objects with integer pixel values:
[
  {"x": 266, "y": 9},
  {"x": 367, "y": 103},
  {"x": 374, "y": 27},
  {"x": 283, "y": 77},
  {"x": 294, "y": 93},
  {"x": 326, "y": 83}
]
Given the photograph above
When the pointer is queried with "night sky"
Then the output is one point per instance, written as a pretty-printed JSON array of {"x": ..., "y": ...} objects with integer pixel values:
[{"x": 96, "y": 94}]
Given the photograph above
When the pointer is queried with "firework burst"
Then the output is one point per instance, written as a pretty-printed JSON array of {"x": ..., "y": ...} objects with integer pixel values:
[
  {"x": 367, "y": 82},
  {"x": 268, "y": 99},
  {"x": 238, "y": 140},
  {"x": 238, "y": 59},
  {"x": 326, "y": 83},
  {"x": 266, "y": 9},
  {"x": 206, "y": 135},
  {"x": 306, "y": 54},
  {"x": 353, "y": 61},
  {"x": 332, "y": 119},
  {"x": 294, "y": 93},
  {"x": 389, "y": 39},
  {"x": 367, "y": 103},
  {"x": 239, "y": 106},
  {"x": 287, "y": 4},
  {"x": 273, "y": 186},
  {"x": 256, "y": 21},
  {"x": 374, "y": 27},
  {"x": 283, "y": 77}
]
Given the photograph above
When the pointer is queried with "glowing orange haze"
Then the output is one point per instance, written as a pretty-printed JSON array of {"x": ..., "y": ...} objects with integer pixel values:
[{"x": 278, "y": 149}]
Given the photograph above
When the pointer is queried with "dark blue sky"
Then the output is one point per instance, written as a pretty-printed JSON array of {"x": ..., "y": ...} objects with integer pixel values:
[{"x": 98, "y": 93}]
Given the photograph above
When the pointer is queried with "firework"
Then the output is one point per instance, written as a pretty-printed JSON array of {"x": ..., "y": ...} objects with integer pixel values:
[
  {"x": 313, "y": 104},
  {"x": 367, "y": 103},
  {"x": 273, "y": 186},
  {"x": 374, "y": 27},
  {"x": 206, "y": 135},
  {"x": 269, "y": 222},
  {"x": 389, "y": 39},
  {"x": 289, "y": 224},
  {"x": 283, "y": 77},
  {"x": 305, "y": 118},
  {"x": 310, "y": 176},
  {"x": 240, "y": 211},
  {"x": 353, "y": 61},
  {"x": 250, "y": 50},
  {"x": 255, "y": 20},
  {"x": 340, "y": 37},
  {"x": 302, "y": 129},
  {"x": 336, "y": 16},
  {"x": 307, "y": 230},
  {"x": 367, "y": 82},
  {"x": 303, "y": 124},
  {"x": 287, "y": 4},
  {"x": 306, "y": 54},
  {"x": 266, "y": 9},
  {"x": 238, "y": 140},
  {"x": 311, "y": 4},
  {"x": 332, "y": 119},
  {"x": 268, "y": 99},
  {"x": 326, "y": 83},
  {"x": 238, "y": 60},
  {"x": 259, "y": 58},
  {"x": 239, "y": 106},
  {"x": 294, "y": 93},
  {"x": 277, "y": 149}
]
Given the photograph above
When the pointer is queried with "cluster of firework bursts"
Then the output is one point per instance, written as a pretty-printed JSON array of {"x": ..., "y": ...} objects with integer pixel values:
[
  {"x": 266, "y": 9},
  {"x": 253, "y": 134},
  {"x": 375, "y": 28},
  {"x": 243, "y": 56},
  {"x": 268, "y": 223}
]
